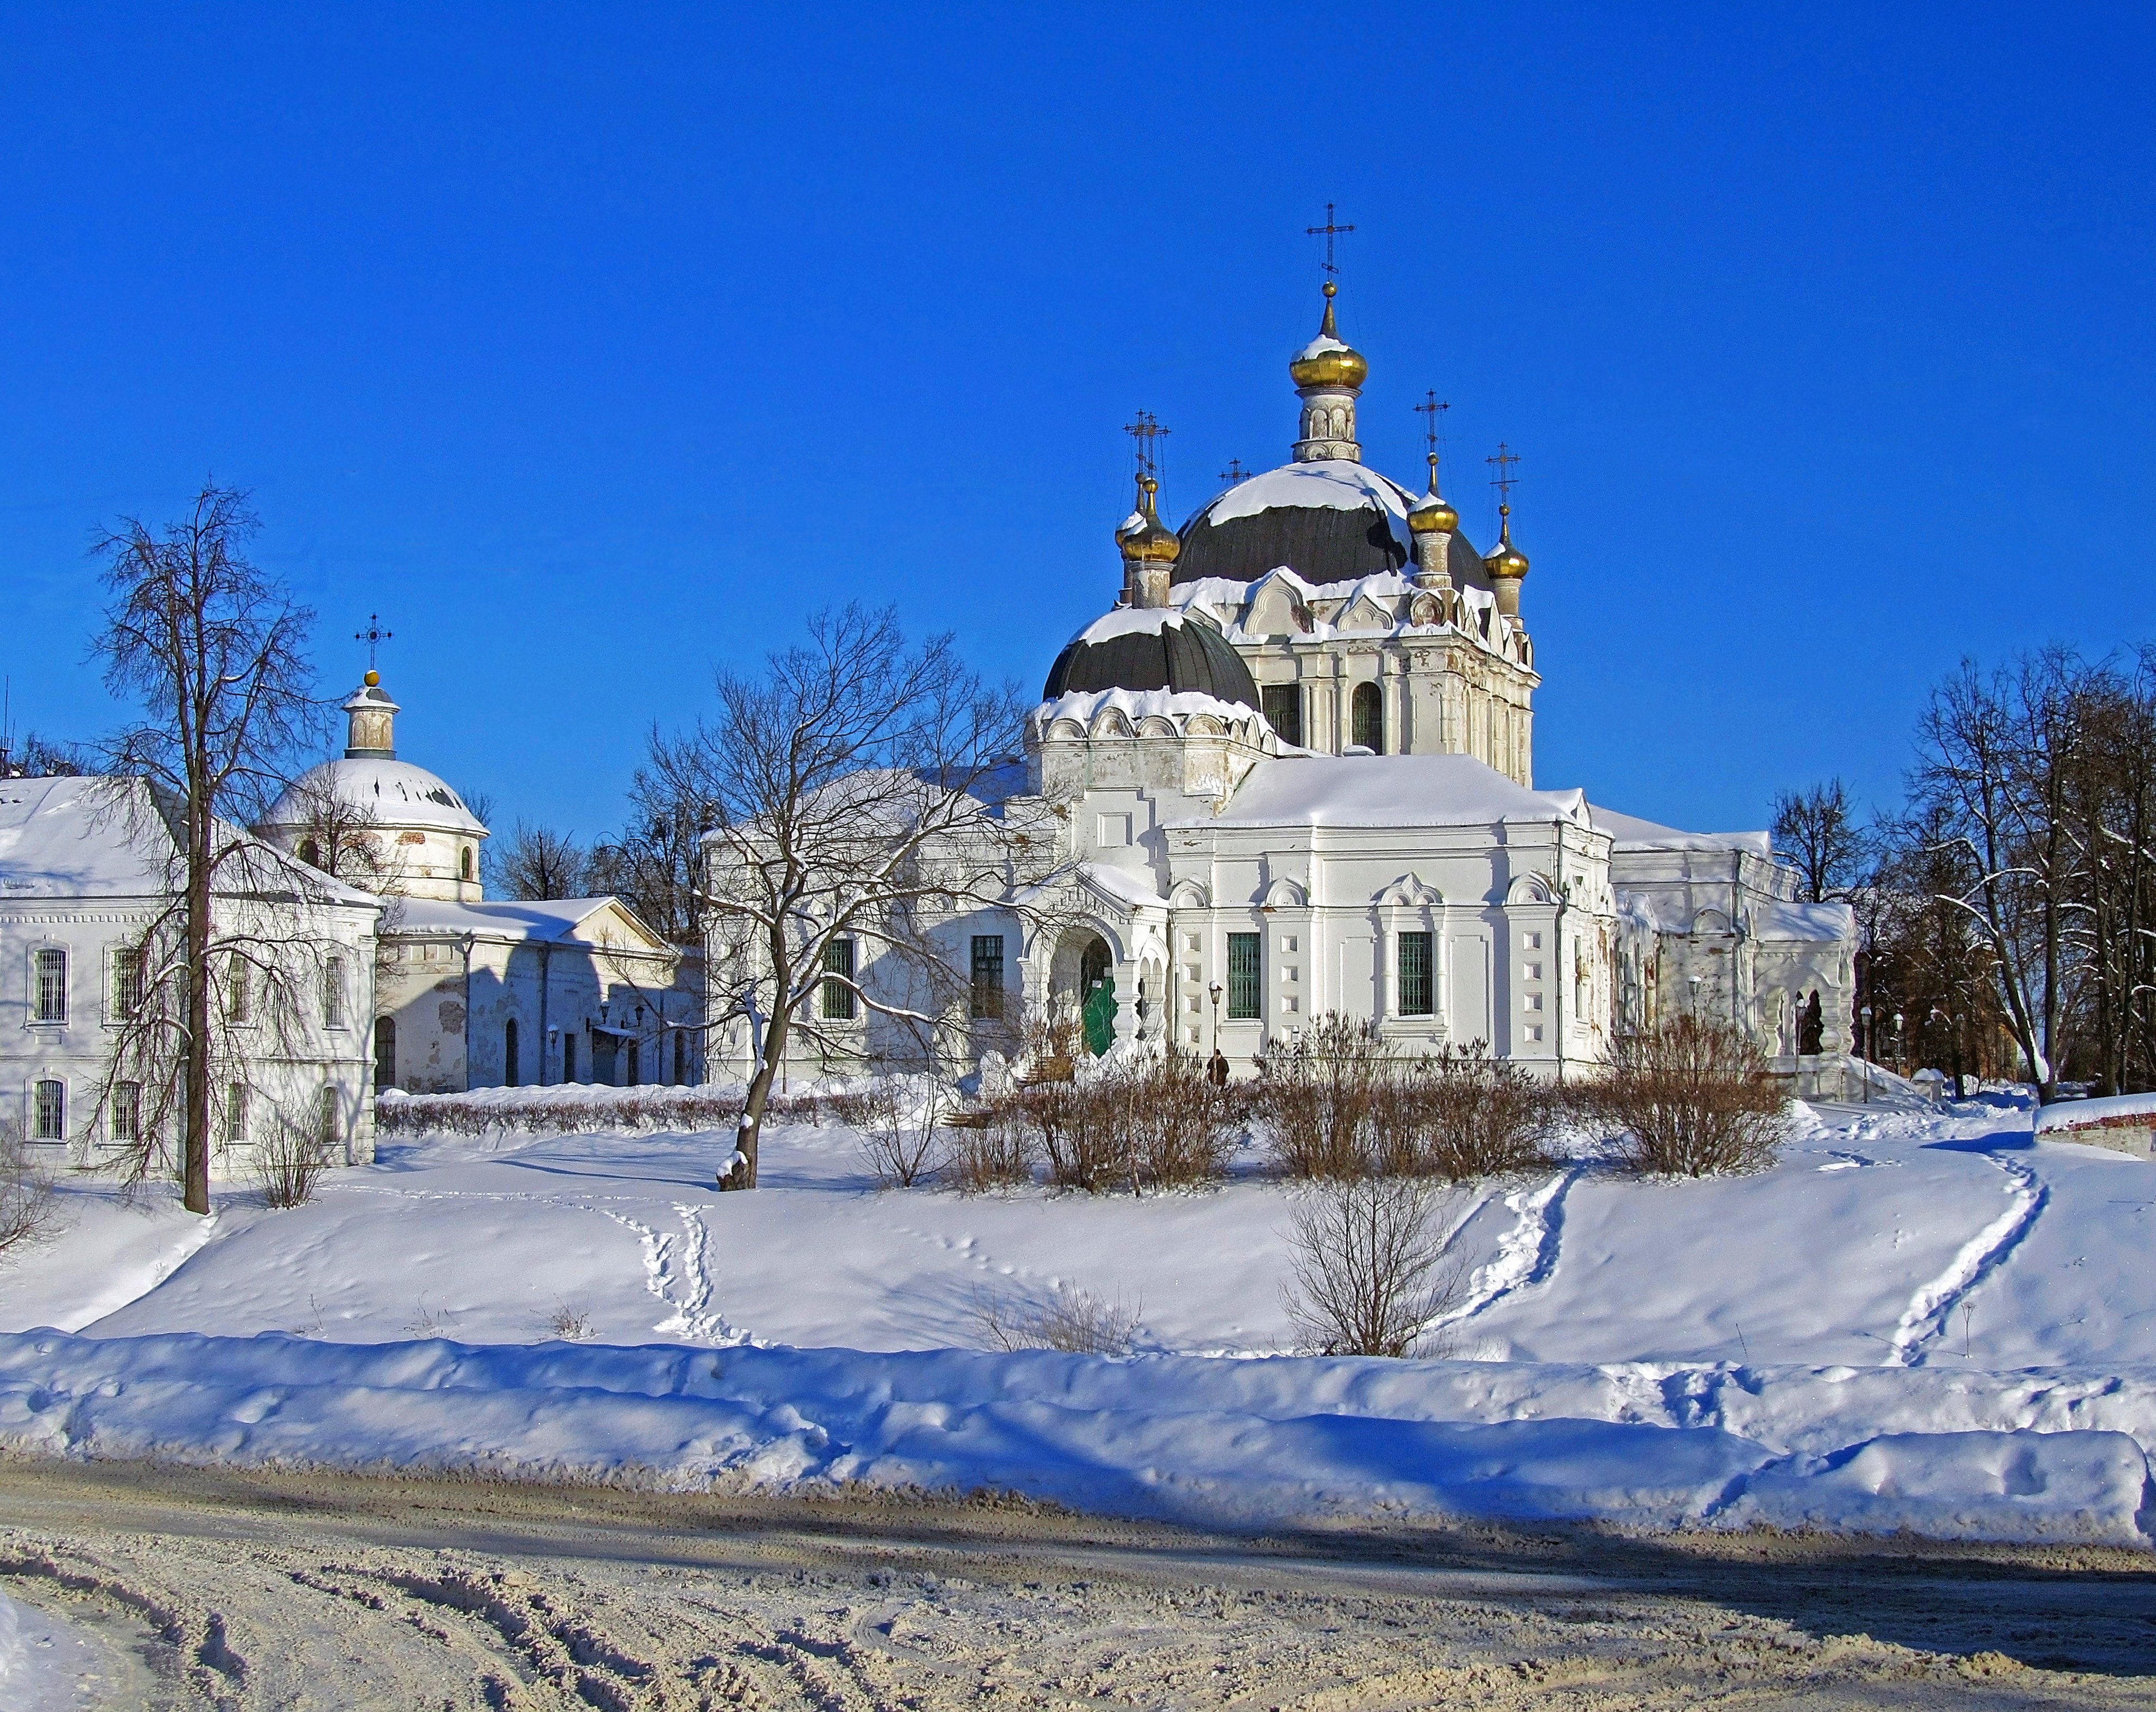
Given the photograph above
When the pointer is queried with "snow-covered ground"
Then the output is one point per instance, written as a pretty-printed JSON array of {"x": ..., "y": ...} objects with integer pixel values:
[{"x": 1919, "y": 1318}]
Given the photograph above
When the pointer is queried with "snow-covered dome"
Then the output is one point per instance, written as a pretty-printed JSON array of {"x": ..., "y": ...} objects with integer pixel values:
[
  {"x": 1332, "y": 521},
  {"x": 1151, "y": 648},
  {"x": 393, "y": 795}
]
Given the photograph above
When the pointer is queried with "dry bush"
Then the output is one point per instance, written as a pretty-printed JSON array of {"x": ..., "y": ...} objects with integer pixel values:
[
  {"x": 1372, "y": 1271},
  {"x": 1080, "y": 1132},
  {"x": 290, "y": 1160},
  {"x": 897, "y": 1119},
  {"x": 1181, "y": 1128},
  {"x": 1461, "y": 1115},
  {"x": 1077, "y": 1322},
  {"x": 26, "y": 1192},
  {"x": 1693, "y": 1098},
  {"x": 1316, "y": 1095},
  {"x": 998, "y": 1155},
  {"x": 571, "y": 1322}
]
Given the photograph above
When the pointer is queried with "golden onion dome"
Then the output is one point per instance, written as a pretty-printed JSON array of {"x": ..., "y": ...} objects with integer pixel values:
[
  {"x": 1433, "y": 513},
  {"x": 1142, "y": 535},
  {"x": 1504, "y": 560},
  {"x": 1328, "y": 361}
]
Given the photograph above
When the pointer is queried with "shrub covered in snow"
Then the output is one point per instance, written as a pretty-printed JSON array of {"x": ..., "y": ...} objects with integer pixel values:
[
  {"x": 570, "y": 1108},
  {"x": 1690, "y": 1097}
]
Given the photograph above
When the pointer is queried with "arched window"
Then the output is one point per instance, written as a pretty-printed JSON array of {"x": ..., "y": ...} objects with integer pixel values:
[
  {"x": 385, "y": 1052},
  {"x": 509, "y": 1066},
  {"x": 464, "y": 861},
  {"x": 1369, "y": 719}
]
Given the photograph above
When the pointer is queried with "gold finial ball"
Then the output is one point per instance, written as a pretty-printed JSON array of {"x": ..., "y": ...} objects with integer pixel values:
[
  {"x": 1506, "y": 561},
  {"x": 1143, "y": 536},
  {"x": 1433, "y": 513},
  {"x": 1331, "y": 289},
  {"x": 373, "y": 677}
]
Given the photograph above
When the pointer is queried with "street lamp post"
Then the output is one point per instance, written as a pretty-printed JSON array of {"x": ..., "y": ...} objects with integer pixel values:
[{"x": 1215, "y": 989}]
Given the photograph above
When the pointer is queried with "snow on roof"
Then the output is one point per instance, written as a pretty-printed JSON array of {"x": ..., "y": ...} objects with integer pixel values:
[
  {"x": 1224, "y": 598},
  {"x": 1121, "y": 883},
  {"x": 554, "y": 921},
  {"x": 1826, "y": 922},
  {"x": 1132, "y": 621},
  {"x": 103, "y": 838},
  {"x": 1085, "y": 706},
  {"x": 1627, "y": 832},
  {"x": 1338, "y": 483},
  {"x": 393, "y": 794},
  {"x": 1391, "y": 791}
]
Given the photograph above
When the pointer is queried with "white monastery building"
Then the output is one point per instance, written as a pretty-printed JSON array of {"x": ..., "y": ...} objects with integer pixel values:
[
  {"x": 469, "y": 993},
  {"x": 89, "y": 870},
  {"x": 1294, "y": 768}
]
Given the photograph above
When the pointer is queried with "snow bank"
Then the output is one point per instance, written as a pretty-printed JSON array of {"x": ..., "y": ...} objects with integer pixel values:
[
  {"x": 2124, "y": 1110},
  {"x": 1287, "y": 1440}
]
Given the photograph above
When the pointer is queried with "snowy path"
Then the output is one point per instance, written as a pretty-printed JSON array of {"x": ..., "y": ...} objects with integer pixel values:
[
  {"x": 1927, "y": 1318},
  {"x": 679, "y": 1274},
  {"x": 1526, "y": 1254}
]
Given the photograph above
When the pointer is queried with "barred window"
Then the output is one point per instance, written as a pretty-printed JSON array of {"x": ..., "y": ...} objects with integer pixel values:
[
  {"x": 333, "y": 993},
  {"x": 127, "y": 981},
  {"x": 839, "y": 995},
  {"x": 236, "y": 988},
  {"x": 1369, "y": 718},
  {"x": 49, "y": 1114},
  {"x": 988, "y": 993},
  {"x": 235, "y": 1114},
  {"x": 1244, "y": 986},
  {"x": 123, "y": 1113},
  {"x": 1418, "y": 978},
  {"x": 1283, "y": 707},
  {"x": 331, "y": 1120},
  {"x": 48, "y": 994}
]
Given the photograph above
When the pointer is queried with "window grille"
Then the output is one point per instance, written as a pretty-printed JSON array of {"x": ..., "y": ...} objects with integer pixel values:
[
  {"x": 838, "y": 995},
  {"x": 235, "y": 1114},
  {"x": 330, "y": 1130},
  {"x": 236, "y": 991},
  {"x": 1369, "y": 718},
  {"x": 124, "y": 1113},
  {"x": 333, "y": 993},
  {"x": 49, "y": 1119},
  {"x": 385, "y": 1052},
  {"x": 1244, "y": 988},
  {"x": 127, "y": 981},
  {"x": 1418, "y": 976},
  {"x": 987, "y": 994},
  {"x": 1282, "y": 706},
  {"x": 48, "y": 1000}
]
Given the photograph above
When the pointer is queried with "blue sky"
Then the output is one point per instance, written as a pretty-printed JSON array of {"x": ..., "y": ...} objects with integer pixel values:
[{"x": 594, "y": 346}]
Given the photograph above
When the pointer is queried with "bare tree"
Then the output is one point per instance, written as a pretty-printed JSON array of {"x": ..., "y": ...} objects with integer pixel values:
[
  {"x": 538, "y": 863},
  {"x": 1817, "y": 830},
  {"x": 651, "y": 863},
  {"x": 39, "y": 757},
  {"x": 854, "y": 791},
  {"x": 211, "y": 651},
  {"x": 1372, "y": 1272}
]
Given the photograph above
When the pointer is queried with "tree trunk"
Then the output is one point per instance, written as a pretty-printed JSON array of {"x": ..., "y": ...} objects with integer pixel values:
[{"x": 195, "y": 1143}]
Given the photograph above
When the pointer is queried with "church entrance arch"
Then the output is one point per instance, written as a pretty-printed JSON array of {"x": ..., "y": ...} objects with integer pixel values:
[{"x": 1082, "y": 979}]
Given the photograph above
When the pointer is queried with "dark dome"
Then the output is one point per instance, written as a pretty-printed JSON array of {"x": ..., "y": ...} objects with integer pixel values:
[
  {"x": 1152, "y": 649},
  {"x": 1269, "y": 522}
]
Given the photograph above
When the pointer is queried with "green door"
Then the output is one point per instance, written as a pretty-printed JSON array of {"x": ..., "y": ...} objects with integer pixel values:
[{"x": 1099, "y": 1014}]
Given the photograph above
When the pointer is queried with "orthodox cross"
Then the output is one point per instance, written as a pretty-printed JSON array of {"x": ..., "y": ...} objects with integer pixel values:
[
  {"x": 1235, "y": 472},
  {"x": 373, "y": 636},
  {"x": 1502, "y": 461},
  {"x": 1432, "y": 408},
  {"x": 1148, "y": 431},
  {"x": 1328, "y": 231}
]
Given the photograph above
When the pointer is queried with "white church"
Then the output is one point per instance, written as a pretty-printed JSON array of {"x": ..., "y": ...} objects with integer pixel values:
[{"x": 1293, "y": 769}]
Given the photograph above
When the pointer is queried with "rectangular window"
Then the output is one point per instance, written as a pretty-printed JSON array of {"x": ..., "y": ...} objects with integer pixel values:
[
  {"x": 48, "y": 994},
  {"x": 236, "y": 990},
  {"x": 127, "y": 981},
  {"x": 333, "y": 993},
  {"x": 988, "y": 993},
  {"x": 568, "y": 1058},
  {"x": 1282, "y": 706},
  {"x": 1244, "y": 953},
  {"x": 1418, "y": 976},
  {"x": 235, "y": 1114},
  {"x": 681, "y": 1057},
  {"x": 330, "y": 1130},
  {"x": 839, "y": 995},
  {"x": 49, "y": 1114},
  {"x": 124, "y": 1114}
]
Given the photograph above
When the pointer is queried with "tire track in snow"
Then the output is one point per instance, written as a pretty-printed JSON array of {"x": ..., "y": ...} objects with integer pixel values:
[
  {"x": 1929, "y": 1310},
  {"x": 684, "y": 1266},
  {"x": 1526, "y": 1254}
]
